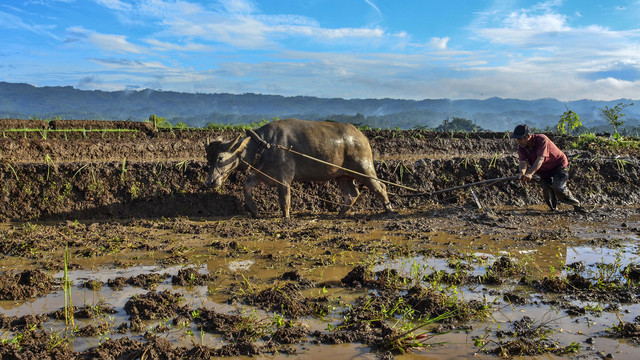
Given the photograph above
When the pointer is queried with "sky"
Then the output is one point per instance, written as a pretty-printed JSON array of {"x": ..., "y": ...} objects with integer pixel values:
[{"x": 402, "y": 49}]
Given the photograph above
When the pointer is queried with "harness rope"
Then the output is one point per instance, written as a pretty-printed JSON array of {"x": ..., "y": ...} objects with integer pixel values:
[
  {"x": 347, "y": 170},
  {"x": 289, "y": 186}
]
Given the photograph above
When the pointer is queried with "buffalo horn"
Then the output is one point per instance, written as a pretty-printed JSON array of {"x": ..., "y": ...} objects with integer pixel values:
[{"x": 234, "y": 142}]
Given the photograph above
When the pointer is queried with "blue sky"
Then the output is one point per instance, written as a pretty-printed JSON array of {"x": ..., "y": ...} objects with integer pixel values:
[{"x": 408, "y": 49}]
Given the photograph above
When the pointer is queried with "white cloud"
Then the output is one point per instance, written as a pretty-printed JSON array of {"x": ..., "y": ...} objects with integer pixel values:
[
  {"x": 439, "y": 43},
  {"x": 236, "y": 23},
  {"x": 370, "y": 3},
  {"x": 105, "y": 42},
  {"x": 10, "y": 21},
  {"x": 128, "y": 64},
  {"x": 167, "y": 46},
  {"x": 115, "y": 5},
  {"x": 238, "y": 6},
  {"x": 538, "y": 46},
  {"x": 521, "y": 20},
  {"x": 534, "y": 52}
]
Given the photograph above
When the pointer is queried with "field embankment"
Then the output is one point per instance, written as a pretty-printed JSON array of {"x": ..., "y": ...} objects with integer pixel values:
[{"x": 153, "y": 174}]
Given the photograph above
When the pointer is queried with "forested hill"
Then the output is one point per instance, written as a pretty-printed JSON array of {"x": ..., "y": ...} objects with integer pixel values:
[{"x": 27, "y": 101}]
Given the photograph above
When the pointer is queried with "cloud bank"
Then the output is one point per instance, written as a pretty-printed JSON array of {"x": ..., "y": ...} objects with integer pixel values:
[{"x": 541, "y": 50}]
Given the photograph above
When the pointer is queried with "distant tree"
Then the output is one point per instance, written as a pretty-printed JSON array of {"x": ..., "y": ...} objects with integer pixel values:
[
  {"x": 159, "y": 122},
  {"x": 614, "y": 116},
  {"x": 357, "y": 119},
  {"x": 458, "y": 124},
  {"x": 568, "y": 118}
]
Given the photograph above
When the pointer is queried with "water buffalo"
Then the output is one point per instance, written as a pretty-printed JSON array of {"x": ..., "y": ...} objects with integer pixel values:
[{"x": 340, "y": 144}]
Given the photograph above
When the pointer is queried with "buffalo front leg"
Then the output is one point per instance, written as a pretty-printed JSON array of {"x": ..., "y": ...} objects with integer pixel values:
[
  {"x": 284, "y": 198},
  {"x": 350, "y": 194},
  {"x": 251, "y": 182},
  {"x": 380, "y": 190}
]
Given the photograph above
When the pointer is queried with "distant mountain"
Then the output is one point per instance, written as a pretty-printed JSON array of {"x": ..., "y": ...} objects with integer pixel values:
[{"x": 27, "y": 101}]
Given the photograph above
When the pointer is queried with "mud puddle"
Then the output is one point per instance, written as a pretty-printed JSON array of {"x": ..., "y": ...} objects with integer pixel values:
[
  {"x": 582, "y": 323},
  {"x": 347, "y": 287}
]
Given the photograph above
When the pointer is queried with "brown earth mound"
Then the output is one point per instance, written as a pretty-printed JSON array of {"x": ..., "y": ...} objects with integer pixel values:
[
  {"x": 99, "y": 125},
  {"x": 162, "y": 174},
  {"x": 7, "y": 124},
  {"x": 154, "y": 305},
  {"x": 170, "y": 189},
  {"x": 284, "y": 298},
  {"x": 25, "y": 285}
]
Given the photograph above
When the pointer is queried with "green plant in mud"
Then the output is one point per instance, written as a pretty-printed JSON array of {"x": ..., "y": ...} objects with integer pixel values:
[
  {"x": 400, "y": 169},
  {"x": 123, "y": 169},
  {"x": 589, "y": 141},
  {"x": 50, "y": 164},
  {"x": 182, "y": 166},
  {"x": 53, "y": 341},
  {"x": 410, "y": 336},
  {"x": 528, "y": 338},
  {"x": 608, "y": 274},
  {"x": 594, "y": 309},
  {"x": 246, "y": 287},
  {"x": 14, "y": 172},
  {"x": 68, "y": 304},
  {"x": 251, "y": 326},
  {"x": 28, "y": 227},
  {"x": 58, "y": 339},
  {"x": 624, "y": 329},
  {"x": 494, "y": 160},
  {"x": 135, "y": 190},
  {"x": 438, "y": 277},
  {"x": 620, "y": 163}
]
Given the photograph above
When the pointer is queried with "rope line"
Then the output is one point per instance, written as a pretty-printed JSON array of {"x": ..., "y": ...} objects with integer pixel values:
[
  {"x": 288, "y": 186},
  {"x": 478, "y": 183},
  {"x": 348, "y": 170}
]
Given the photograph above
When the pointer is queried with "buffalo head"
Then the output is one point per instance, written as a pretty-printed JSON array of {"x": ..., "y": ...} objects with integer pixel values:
[{"x": 223, "y": 158}]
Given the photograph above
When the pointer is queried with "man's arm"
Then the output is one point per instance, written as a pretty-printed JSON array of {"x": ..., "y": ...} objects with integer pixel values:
[
  {"x": 528, "y": 175},
  {"x": 523, "y": 167}
]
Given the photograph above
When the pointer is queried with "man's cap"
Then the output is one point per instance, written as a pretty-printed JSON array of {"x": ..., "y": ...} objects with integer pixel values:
[{"x": 520, "y": 131}]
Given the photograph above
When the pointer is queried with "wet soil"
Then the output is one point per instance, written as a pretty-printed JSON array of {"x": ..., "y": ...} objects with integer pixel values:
[
  {"x": 163, "y": 267},
  {"x": 7, "y": 124},
  {"x": 25, "y": 285},
  {"x": 127, "y": 189},
  {"x": 295, "y": 292}
]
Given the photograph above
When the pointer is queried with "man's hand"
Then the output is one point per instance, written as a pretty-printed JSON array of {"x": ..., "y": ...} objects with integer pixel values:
[{"x": 526, "y": 177}]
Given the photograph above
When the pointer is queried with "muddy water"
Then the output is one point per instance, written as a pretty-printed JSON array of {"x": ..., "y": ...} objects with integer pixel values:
[{"x": 323, "y": 250}]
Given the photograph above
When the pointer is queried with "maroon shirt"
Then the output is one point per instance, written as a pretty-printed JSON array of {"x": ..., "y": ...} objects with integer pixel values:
[{"x": 554, "y": 158}]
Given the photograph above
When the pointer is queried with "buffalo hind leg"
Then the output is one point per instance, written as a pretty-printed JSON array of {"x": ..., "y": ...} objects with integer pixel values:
[
  {"x": 284, "y": 198},
  {"x": 251, "y": 182},
  {"x": 350, "y": 193},
  {"x": 380, "y": 190}
]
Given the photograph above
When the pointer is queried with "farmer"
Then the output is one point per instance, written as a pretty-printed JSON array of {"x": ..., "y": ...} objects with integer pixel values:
[{"x": 540, "y": 156}]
